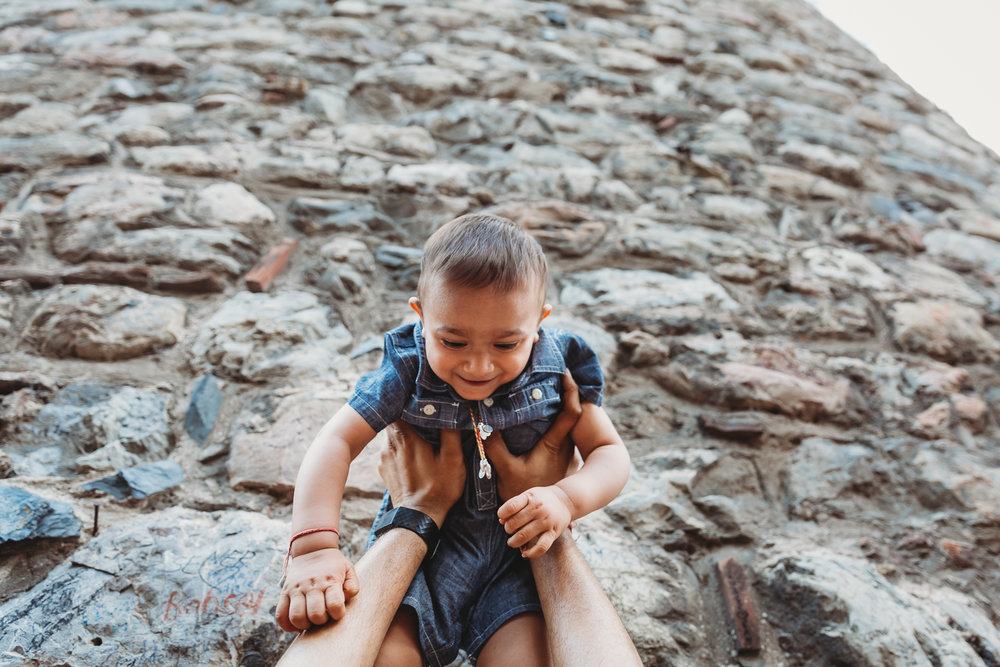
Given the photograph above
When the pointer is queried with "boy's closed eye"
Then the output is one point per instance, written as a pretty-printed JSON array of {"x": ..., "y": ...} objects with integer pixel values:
[{"x": 452, "y": 344}]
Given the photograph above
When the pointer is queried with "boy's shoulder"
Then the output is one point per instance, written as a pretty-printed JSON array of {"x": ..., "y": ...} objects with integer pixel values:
[{"x": 404, "y": 337}]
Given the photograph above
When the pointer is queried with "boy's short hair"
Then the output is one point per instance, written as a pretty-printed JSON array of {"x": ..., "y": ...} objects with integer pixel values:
[{"x": 479, "y": 251}]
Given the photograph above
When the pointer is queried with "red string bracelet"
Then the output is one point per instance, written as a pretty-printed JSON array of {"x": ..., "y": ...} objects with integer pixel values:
[{"x": 303, "y": 533}]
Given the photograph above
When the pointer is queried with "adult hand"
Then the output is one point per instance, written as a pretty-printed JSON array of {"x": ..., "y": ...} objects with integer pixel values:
[
  {"x": 417, "y": 477},
  {"x": 548, "y": 461}
]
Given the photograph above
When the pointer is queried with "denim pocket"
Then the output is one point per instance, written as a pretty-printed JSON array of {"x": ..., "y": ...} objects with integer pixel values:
[{"x": 432, "y": 412}]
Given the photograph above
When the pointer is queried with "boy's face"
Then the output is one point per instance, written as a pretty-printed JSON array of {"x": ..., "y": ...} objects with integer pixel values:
[{"x": 479, "y": 339}]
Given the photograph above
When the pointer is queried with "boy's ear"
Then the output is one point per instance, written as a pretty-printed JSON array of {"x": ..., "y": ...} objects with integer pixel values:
[
  {"x": 415, "y": 305},
  {"x": 546, "y": 311}
]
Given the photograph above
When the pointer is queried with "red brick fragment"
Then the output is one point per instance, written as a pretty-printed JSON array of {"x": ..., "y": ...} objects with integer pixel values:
[
  {"x": 270, "y": 265},
  {"x": 957, "y": 553},
  {"x": 739, "y": 605}
]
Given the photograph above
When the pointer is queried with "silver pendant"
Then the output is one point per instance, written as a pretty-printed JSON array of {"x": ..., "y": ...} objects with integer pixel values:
[
  {"x": 484, "y": 469},
  {"x": 484, "y": 430}
]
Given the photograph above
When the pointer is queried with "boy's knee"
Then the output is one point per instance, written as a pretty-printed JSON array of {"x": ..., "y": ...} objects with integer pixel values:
[{"x": 401, "y": 646}]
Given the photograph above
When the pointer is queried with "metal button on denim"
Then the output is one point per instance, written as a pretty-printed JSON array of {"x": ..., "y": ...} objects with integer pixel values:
[
  {"x": 536, "y": 393},
  {"x": 488, "y": 402},
  {"x": 429, "y": 409}
]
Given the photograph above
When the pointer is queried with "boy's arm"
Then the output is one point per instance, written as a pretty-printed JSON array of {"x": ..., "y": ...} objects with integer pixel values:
[
  {"x": 535, "y": 518},
  {"x": 319, "y": 578}
]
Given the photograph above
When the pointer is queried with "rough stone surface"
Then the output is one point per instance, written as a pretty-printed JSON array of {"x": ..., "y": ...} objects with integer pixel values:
[
  {"x": 104, "y": 426},
  {"x": 181, "y": 580},
  {"x": 787, "y": 260},
  {"x": 256, "y": 336},
  {"x": 27, "y": 516},
  {"x": 105, "y": 323}
]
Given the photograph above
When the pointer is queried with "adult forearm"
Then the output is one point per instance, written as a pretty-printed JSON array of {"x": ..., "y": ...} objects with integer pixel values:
[
  {"x": 384, "y": 573},
  {"x": 583, "y": 627}
]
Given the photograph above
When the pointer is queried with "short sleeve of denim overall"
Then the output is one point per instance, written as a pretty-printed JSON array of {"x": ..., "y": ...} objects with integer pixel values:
[{"x": 475, "y": 582}]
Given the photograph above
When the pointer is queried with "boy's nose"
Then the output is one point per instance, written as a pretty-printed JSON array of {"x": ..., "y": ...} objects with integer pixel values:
[{"x": 480, "y": 365}]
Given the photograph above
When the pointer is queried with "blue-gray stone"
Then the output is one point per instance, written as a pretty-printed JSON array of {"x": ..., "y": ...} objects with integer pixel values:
[
  {"x": 939, "y": 172},
  {"x": 203, "y": 410},
  {"x": 398, "y": 257},
  {"x": 886, "y": 207},
  {"x": 140, "y": 481},
  {"x": 370, "y": 345},
  {"x": 26, "y": 516}
]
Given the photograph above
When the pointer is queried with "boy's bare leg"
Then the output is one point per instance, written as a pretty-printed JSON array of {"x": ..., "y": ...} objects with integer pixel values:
[
  {"x": 401, "y": 646},
  {"x": 520, "y": 641}
]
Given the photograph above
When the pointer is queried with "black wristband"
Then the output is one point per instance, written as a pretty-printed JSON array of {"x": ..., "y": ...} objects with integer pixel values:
[{"x": 411, "y": 519}]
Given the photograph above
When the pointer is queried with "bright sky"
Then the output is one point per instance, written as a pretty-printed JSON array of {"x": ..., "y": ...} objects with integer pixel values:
[{"x": 946, "y": 49}]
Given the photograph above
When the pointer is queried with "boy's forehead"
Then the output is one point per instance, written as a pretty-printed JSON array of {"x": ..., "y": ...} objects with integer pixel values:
[{"x": 530, "y": 284}]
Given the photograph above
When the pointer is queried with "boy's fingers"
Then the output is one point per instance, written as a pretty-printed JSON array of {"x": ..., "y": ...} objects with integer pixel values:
[
  {"x": 316, "y": 607},
  {"x": 335, "y": 602},
  {"x": 540, "y": 547},
  {"x": 351, "y": 584},
  {"x": 297, "y": 612},
  {"x": 281, "y": 614},
  {"x": 512, "y": 507},
  {"x": 528, "y": 532}
]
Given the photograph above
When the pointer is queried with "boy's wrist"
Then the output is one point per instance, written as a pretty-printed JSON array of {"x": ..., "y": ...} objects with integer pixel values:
[
  {"x": 314, "y": 542},
  {"x": 567, "y": 499}
]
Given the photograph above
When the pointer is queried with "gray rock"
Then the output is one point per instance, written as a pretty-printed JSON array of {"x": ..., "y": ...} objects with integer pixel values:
[
  {"x": 220, "y": 250},
  {"x": 963, "y": 252},
  {"x": 941, "y": 475},
  {"x": 315, "y": 216},
  {"x": 129, "y": 200},
  {"x": 111, "y": 426},
  {"x": 816, "y": 316},
  {"x": 203, "y": 409},
  {"x": 105, "y": 323},
  {"x": 220, "y": 161},
  {"x": 327, "y": 103},
  {"x": 26, "y": 516},
  {"x": 231, "y": 205},
  {"x": 647, "y": 299},
  {"x": 191, "y": 594},
  {"x": 255, "y": 337},
  {"x": 12, "y": 238},
  {"x": 417, "y": 83},
  {"x": 946, "y": 331},
  {"x": 857, "y": 616},
  {"x": 822, "y": 476},
  {"x": 415, "y": 142},
  {"x": 140, "y": 481},
  {"x": 61, "y": 148}
]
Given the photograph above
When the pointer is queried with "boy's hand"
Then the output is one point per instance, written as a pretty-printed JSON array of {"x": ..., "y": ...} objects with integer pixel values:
[
  {"x": 536, "y": 518},
  {"x": 316, "y": 587}
]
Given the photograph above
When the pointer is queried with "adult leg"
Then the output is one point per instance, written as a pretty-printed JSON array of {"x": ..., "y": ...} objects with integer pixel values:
[
  {"x": 401, "y": 646},
  {"x": 520, "y": 641}
]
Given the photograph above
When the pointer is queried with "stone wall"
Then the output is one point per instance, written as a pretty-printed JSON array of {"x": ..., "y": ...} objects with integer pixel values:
[{"x": 787, "y": 259}]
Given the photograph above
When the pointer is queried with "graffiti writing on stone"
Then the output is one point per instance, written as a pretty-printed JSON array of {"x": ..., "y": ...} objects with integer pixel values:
[
  {"x": 232, "y": 604},
  {"x": 230, "y": 587}
]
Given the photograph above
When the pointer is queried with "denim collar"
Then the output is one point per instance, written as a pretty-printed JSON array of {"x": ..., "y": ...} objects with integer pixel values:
[{"x": 545, "y": 358}]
